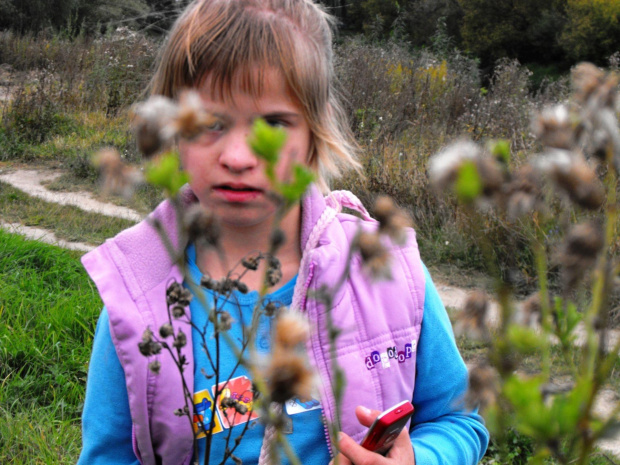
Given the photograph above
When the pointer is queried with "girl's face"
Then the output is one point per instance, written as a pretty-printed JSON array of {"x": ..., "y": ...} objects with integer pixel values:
[{"x": 226, "y": 176}]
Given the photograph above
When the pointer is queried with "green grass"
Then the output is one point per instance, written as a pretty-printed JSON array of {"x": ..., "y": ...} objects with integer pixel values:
[
  {"x": 67, "y": 222},
  {"x": 48, "y": 311}
]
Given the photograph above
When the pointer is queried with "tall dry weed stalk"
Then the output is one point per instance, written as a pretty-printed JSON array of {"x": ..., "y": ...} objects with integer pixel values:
[{"x": 578, "y": 167}]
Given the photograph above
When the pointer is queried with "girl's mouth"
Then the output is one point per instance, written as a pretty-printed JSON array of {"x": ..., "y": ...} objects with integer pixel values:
[{"x": 237, "y": 193}]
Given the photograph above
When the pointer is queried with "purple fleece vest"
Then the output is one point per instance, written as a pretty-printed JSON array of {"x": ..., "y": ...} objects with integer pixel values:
[{"x": 380, "y": 322}]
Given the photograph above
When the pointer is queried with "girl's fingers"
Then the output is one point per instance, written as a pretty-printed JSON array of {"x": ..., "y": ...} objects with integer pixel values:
[
  {"x": 366, "y": 416},
  {"x": 357, "y": 455},
  {"x": 342, "y": 460},
  {"x": 402, "y": 450}
]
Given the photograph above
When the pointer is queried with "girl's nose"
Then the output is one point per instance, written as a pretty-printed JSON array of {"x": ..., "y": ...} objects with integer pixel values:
[{"x": 236, "y": 154}]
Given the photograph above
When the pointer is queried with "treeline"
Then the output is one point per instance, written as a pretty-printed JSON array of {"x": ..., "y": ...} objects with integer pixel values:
[
  {"x": 545, "y": 32},
  {"x": 556, "y": 33},
  {"x": 75, "y": 17}
]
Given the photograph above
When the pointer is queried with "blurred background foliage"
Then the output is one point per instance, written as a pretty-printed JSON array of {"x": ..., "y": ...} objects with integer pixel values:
[{"x": 549, "y": 34}]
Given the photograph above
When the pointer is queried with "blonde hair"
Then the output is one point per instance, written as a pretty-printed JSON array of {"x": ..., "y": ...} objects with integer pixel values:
[{"x": 228, "y": 40}]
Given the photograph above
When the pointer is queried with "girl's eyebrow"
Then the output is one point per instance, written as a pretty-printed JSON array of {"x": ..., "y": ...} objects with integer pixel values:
[{"x": 280, "y": 114}]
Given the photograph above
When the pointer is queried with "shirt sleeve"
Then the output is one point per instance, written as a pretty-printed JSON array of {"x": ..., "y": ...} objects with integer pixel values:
[
  {"x": 106, "y": 420},
  {"x": 443, "y": 431}
]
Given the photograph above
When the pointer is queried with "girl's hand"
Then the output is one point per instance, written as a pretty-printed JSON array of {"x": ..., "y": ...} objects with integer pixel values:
[{"x": 351, "y": 453}]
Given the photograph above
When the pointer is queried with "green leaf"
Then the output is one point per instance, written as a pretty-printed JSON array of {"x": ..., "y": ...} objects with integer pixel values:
[
  {"x": 302, "y": 178},
  {"x": 468, "y": 183},
  {"x": 267, "y": 141},
  {"x": 567, "y": 409},
  {"x": 525, "y": 340},
  {"x": 532, "y": 415},
  {"x": 166, "y": 173},
  {"x": 568, "y": 319},
  {"x": 501, "y": 150}
]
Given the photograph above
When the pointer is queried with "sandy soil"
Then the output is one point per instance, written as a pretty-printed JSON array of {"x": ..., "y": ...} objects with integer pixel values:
[{"x": 30, "y": 182}]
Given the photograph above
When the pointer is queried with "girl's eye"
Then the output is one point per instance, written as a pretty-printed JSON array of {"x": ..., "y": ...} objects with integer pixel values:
[
  {"x": 216, "y": 126},
  {"x": 276, "y": 123}
]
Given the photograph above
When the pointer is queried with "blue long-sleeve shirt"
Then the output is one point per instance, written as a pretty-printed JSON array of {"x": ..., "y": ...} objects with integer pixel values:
[{"x": 442, "y": 431}]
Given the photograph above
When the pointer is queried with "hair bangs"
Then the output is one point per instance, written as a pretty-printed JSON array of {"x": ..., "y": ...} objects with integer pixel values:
[{"x": 228, "y": 46}]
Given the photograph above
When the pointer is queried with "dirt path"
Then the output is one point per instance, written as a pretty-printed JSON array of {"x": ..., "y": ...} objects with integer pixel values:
[{"x": 30, "y": 181}]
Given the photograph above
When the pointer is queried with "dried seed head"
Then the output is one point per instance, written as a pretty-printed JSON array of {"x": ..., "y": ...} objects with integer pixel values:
[
  {"x": 383, "y": 209},
  {"x": 173, "y": 293},
  {"x": 555, "y": 128},
  {"x": 273, "y": 276},
  {"x": 392, "y": 220},
  {"x": 241, "y": 286},
  {"x": 575, "y": 177},
  {"x": 180, "y": 340},
  {"x": 444, "y": 166},
  {"x": 274, "y": 272},
  {"x": 209, "y": 283},
  {"x": 270, "y": 309},
  {"x": 585, "y": 239},
  {"x": 154, "y": 124},
  {"x": 476, "y": 305},
  {"x": 586, "y": 79},
  {"x": 581, "y": 247},
  {"x": 116, "y": 177},
  {"x": 524, "y": 193},
  {"x": 594, "y": 88},
  {"x": 149, "y": 348},
  {"x": 226, "y": 321},
  {"x": 192, "y": 119},
  {"x": 226, "y": 285},
  {"x": 491, "y": 175},
  {"x": 166, "y": 330},
  {"x": 375, "y": 256},
  {"x": 470, "y": 322},
  {"x": 177, "y": 311},
  {"x": 288, "y": 376},
  {"x": 202, "y": 226},
  {"x": 155, "y": 366},
  {"x": 291, "y": 330},
  {"x": 251, "y": 263},
  {"x": 483, "y": 387},
  {"x": 185, "y": 297},
  {"x": 147, "y": 335}
]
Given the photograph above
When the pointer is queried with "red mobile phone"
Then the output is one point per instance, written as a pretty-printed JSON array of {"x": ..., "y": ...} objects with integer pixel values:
[{"x": 386, "y": 427}]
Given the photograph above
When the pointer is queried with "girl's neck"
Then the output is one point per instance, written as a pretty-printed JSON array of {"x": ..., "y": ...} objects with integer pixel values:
[{"x": 236, "y": 244}]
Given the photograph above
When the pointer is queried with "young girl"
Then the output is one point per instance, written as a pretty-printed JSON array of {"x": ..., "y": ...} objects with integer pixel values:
[{"x": 270, "y": 59}]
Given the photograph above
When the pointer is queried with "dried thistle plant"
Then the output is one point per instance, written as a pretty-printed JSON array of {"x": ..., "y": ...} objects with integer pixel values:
[{"x": 579, "y": 165}]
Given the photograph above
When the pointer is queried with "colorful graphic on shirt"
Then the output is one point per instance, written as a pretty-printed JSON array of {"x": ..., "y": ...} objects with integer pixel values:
[
  {"x": 382, "y": 359},
  {"x": 297, "y": 405},
  {"x": 203, "y": 412},
  {"x": 239, "y": 389}
]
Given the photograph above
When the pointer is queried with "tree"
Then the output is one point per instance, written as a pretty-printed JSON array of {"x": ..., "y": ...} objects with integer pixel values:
[
  {"x": 522, "y": 29},
  {"x": 592, "y": 30},
  {"x": 89, "y": 15}
]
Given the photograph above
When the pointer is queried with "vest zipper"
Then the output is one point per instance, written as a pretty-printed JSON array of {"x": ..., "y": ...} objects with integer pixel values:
[
  {"x": 303, "y": 309},
  {"x": 326, "y": 429}
]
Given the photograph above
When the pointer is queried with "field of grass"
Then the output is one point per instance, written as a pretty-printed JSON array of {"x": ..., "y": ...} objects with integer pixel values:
[{"x": 48, "y": 311}]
